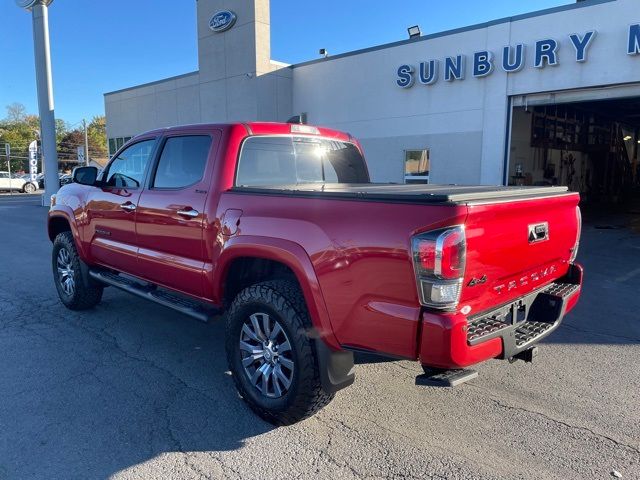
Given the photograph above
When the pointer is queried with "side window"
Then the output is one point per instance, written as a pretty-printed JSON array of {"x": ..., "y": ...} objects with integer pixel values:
[
  {"x": 127, "y": 169},
  {"x": 4, "y": 175},
  {"x": 182, "y": 162}
]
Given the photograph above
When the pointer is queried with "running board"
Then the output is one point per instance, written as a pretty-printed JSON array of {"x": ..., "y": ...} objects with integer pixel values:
[
  {"x": 149, "y": 291},
  {"x": 445, "y": 378}
]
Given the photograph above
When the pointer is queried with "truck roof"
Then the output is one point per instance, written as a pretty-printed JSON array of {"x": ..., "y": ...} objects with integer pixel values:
[{"x": 262, "y": 128}]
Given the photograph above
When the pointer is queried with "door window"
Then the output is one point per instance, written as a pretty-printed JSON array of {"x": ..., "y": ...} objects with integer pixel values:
[
  {"x": 182, "y": 162},
  {"x": 127, "y": 169}
]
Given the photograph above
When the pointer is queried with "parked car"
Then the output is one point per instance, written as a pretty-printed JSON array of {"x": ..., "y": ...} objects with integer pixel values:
[
  {"x": 280, "y": 227},
  {"x": 27, "y": 178},
  {"x": 16, "y": 183},
  {"x": 65, "y": 179}
]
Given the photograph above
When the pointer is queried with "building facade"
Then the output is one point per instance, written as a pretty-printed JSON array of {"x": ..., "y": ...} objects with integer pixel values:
[{"x": 472, "y": 105}]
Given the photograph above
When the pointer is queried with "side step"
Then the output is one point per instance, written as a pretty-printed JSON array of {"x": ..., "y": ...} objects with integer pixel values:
[
  {"x": 149, "y": 291},
  {"x": 445, "y": 378}
]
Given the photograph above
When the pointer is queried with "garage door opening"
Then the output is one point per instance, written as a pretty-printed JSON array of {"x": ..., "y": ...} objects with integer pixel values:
[{"x": 591, "y": 147}]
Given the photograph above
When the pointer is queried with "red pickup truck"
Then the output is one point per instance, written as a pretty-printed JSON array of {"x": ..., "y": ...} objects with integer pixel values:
[{"x": 279, "y": 227}]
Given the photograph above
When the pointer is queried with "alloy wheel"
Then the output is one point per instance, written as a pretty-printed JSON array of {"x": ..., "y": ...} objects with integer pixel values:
[
  {"x": 65, "y": 272},
  {"x": 266, "y": 355}
]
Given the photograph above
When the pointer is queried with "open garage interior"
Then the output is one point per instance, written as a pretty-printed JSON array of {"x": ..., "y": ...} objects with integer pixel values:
[{"x": 591, "y": 147}]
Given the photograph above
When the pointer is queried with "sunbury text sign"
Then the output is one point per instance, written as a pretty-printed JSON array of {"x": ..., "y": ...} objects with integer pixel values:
[{"x": 511, "y": 59}]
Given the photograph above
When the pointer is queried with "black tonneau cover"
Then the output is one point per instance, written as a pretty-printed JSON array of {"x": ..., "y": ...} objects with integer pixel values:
[{"x": 411, "y": 193}]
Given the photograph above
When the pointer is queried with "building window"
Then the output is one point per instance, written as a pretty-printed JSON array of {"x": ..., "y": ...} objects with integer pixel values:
[
  {"x": 116, "y": 143},
  {"x": 416, "y": 166}
]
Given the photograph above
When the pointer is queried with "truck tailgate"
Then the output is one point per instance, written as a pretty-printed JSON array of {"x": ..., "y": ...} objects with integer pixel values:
[{"x": 516, "y": 247}]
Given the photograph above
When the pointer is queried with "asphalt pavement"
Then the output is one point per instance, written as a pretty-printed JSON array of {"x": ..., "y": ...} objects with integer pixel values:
[{"x": 134, "y": 390}]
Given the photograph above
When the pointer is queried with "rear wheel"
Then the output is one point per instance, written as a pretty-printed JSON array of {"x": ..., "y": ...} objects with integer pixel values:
[
  {"x": 75, "y": 290},
  {"x": 29, "y": 188},
  {"x": 272, "y": 359}
]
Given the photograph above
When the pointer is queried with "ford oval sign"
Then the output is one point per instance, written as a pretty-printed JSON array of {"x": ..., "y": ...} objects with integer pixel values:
[{"x": 222, "y": 21}]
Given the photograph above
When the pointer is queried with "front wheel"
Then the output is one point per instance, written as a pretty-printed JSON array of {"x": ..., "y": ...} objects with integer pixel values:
[
  {"x": 270, "y": 354},
  {"x": 75, "y": 290},
  {"x": 29, "y": 188}
]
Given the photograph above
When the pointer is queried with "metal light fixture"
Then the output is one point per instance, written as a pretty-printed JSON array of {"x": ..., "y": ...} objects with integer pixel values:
[
  {"x": 28, "y": 4},
  {"x": 40, "y": 17},
  {"x": 414, "y": 31},
  {"x": 323, "y": 52}
]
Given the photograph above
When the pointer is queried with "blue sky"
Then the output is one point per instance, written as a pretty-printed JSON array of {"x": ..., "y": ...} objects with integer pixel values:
[{"x": 99, "y": 46}]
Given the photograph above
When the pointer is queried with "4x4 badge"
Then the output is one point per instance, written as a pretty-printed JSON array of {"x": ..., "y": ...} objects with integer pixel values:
[{"x": 477, "y": 281}]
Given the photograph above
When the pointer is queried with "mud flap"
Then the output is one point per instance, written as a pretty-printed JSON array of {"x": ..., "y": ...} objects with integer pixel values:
[{"x": 337, "y": 369}]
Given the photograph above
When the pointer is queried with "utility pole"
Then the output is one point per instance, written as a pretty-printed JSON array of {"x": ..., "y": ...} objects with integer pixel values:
[
  {"x": 86, "y": 143},
  {"x": 40, "y": 15}
]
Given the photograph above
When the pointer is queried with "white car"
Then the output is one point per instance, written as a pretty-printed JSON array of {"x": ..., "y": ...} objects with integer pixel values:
[{"x": 10, "y": 183}]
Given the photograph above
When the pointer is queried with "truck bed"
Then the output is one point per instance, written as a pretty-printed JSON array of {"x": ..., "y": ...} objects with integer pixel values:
[{"x": 407, "y": 193}]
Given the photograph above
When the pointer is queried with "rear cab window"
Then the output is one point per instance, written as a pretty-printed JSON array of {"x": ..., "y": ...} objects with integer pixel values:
[{"x": 285, "y": 160}]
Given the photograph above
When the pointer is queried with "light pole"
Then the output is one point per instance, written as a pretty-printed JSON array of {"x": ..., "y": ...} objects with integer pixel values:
[{"x": 40, "y": 14}]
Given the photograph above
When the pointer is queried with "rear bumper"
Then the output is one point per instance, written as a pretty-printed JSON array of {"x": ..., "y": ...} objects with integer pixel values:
[{"x": 457, "y": 341}]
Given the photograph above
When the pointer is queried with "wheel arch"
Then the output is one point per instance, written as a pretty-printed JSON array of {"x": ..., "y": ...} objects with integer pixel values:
[
  {"x": 275, "y": 253},
  {"x": 62, "y": 220}
]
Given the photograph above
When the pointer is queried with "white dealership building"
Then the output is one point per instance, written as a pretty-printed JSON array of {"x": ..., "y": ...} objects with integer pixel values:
[{"x": 549, "y": 97}]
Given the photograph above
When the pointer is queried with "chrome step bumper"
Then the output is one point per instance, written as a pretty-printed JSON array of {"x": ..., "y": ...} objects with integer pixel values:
[{"x": 525, "y": 321}]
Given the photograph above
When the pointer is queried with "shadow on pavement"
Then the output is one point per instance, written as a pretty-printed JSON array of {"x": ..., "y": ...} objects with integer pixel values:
[{"x": 88, "y": 394}]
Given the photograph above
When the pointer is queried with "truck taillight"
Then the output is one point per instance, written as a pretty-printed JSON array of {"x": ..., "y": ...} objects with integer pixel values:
[
  {"x": 439, "y": 259},
  {"x": 574, "y": 250}
]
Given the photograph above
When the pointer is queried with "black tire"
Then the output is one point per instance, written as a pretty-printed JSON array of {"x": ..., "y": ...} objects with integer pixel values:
[
  {"x": 283, "y": 300},
  {"x": 29, "y": 188},
  {"x": 85, "y": 293}
]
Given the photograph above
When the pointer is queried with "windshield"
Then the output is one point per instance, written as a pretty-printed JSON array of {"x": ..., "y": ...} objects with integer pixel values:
[{"x": 289, "y": 160}]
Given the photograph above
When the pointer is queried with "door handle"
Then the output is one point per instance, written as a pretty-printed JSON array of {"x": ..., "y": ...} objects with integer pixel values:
[
  {"x": 128, "y": 207},
  {"x": 191, "y": 213}
]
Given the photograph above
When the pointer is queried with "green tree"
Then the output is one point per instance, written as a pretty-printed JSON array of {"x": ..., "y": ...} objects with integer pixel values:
[
  {"x": 97, "y": 133},
  {"x": 19, "y": 129},
  {"x": 61, "y": 129},
  {"x": 68, "y": 145}
]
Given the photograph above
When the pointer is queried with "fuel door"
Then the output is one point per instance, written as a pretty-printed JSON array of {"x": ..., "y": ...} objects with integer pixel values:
[{"x": 231, "y": 222}]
